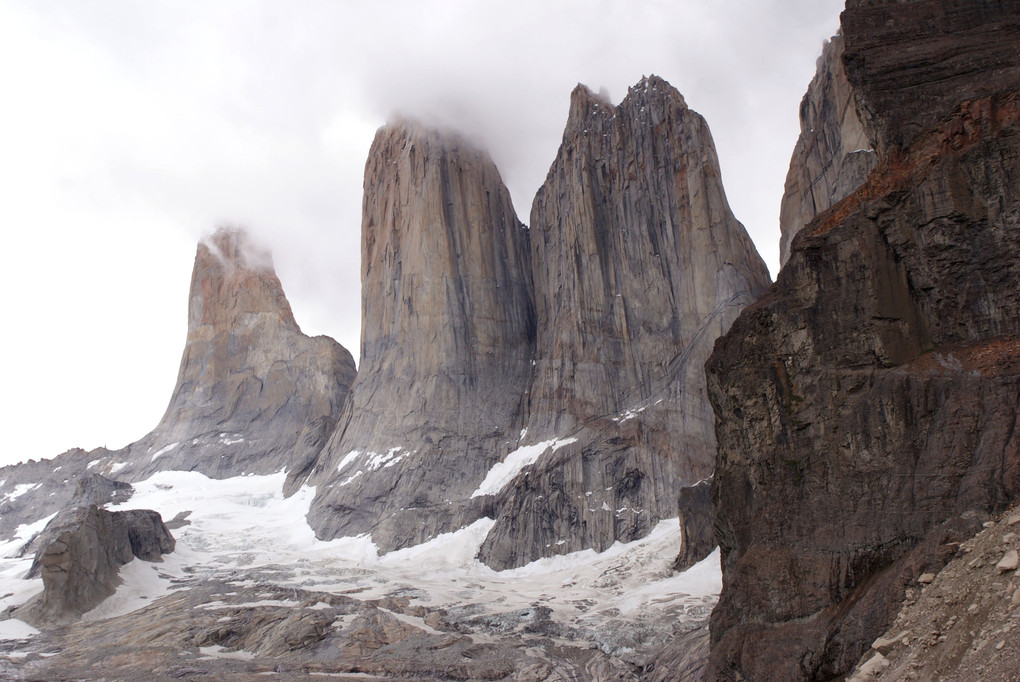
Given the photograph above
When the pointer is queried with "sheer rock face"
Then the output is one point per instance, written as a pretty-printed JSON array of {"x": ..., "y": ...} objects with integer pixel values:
[
  {"x": 447, "y": 338},
  {"x": 833, "y": 155},
  {"x": 80, "y": 566},
  {"x": 251, "y": 385},
  {"x": 638, "y": 266},
  {"x": 867, "y": 404}
]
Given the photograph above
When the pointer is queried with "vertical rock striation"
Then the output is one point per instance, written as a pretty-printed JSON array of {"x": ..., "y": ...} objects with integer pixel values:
[
  {"x": 638, "y": 266},
  {"x": 867, "y": 404},
  {"x": 833, "y": 155},
  {"x": 447, "y": 337}
]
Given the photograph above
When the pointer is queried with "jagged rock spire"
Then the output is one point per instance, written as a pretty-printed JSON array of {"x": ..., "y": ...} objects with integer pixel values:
[{"x": 638, "y": 266}]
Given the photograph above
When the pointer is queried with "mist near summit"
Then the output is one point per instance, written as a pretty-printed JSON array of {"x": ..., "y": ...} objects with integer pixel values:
[{"x": 131, "y": 130}]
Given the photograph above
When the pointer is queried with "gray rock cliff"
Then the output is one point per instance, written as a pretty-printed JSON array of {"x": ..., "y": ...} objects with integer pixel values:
[
  {"x": 447, "y": 339},
  {"x": 251, "y": 385},
  {"x": 253, "y": 396}
]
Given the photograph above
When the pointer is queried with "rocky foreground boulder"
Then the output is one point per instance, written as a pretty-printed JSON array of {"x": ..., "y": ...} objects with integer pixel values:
[
  {"x": 80, "y": 565},
  {"x": 960, "y": 624},
  {"x": 697, "y": 524},
  {"x": 866, "y": 405}
]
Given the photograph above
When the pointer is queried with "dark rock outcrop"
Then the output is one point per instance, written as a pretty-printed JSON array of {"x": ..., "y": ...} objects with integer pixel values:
[
  {"x": 833, "y": 155},
  {"x": 250, "y": 382},
  {"x": 80, "y": 565},
  {"x": 913, "y": 63},
  {"x": 446, "y": 345},
  {"x": 638, "y": 266},
  {"x": 867, "y": 404},
  {"x": 697, "y": 524}
]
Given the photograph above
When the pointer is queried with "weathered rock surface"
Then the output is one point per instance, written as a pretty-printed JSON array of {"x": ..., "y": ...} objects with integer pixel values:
[
  {"x": 833, "y": 155},
  {"x": 868, "y": 401},
  {"x": 33, "y": 490},
  {"x": 638, "y": 266},
  {"x": 220, "y": 631},
  {"x": 80, "y": 565},
  {"x": 447, "y": 338},
  {"x": 945, "y": 53},
  {"x": 91, "y": 489}
]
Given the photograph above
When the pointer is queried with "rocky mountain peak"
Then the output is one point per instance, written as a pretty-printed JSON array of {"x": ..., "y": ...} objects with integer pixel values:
[
  {"x": 586, "y": 105},
  {"x": 638, "y": 265},
  {"x": 833, "y": 155},
  {"x": 653, "y": 88},
  {"x": 447, "y": 338},
  {"x": 590, "y": 111},
  {"x": 253, "y": 394},
  {"x": 234, "y": 277}
]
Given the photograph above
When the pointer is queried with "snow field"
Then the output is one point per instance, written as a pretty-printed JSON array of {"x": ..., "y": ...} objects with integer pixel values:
[{"x": 243, "y": 530}]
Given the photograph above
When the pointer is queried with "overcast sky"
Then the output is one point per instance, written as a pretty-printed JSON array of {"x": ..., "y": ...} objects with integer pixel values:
[{"x": 129, "y": 129}]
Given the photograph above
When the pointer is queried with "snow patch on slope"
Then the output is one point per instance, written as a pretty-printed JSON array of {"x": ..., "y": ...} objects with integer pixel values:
[
  {"x": 503, "y": 472},
  {"x": 16, "y": 629},
  {"x": 23, "y": 534},
  {"x": 164, "y": 450}
]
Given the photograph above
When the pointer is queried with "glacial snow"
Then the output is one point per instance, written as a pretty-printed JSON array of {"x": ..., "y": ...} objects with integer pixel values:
[{"x": 244, "y": 531}]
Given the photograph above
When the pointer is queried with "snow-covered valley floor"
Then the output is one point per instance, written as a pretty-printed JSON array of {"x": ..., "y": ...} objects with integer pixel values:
[{"x": 247, "y": 547}]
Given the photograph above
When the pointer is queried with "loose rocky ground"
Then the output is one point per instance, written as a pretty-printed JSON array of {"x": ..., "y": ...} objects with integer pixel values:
[{"x": 962, "y": 624}]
